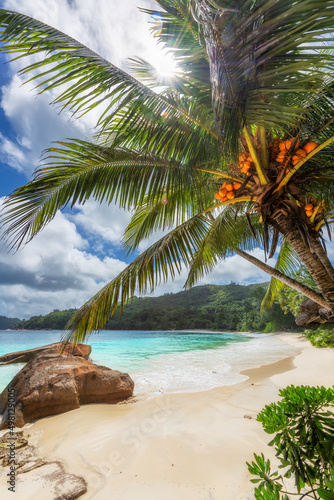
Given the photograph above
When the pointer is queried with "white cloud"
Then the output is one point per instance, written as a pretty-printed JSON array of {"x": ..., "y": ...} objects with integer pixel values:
[
  {"x": 36, "y": 125},
  {"x": 12, "y": 153},
  {"x": 114, "y": 29},
  {"x": 54, "y": 270},
  {"x": 105, "y": 221}
]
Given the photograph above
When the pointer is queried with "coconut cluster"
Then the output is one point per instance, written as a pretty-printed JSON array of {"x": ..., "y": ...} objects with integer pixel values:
[
  {"x": 227, "y": 191},
  {"x": 311, "y": 206},
  {"x": 288, "y": 153}
]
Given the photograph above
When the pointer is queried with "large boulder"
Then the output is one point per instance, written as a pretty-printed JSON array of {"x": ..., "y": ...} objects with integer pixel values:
[
  {"x": 52, "y": 383},
  {"x": 82, "y": 350}
]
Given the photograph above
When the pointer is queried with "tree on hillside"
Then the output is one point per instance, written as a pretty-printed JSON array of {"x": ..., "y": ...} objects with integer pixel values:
[{"x": 232, "y": 153}]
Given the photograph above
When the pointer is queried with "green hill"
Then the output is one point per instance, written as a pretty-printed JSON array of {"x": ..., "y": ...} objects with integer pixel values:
[
  {"x": 7, "y": 322},
  {"x": 225, "y": 307}
]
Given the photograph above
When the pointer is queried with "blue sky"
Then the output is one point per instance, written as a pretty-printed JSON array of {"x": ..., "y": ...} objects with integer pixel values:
[{"x": 79, "y": 251}]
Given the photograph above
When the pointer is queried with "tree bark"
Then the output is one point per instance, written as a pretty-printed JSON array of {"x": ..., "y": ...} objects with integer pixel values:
[
  {"x": 319, "y": 250},
  {"x": 288, "y": 227}
]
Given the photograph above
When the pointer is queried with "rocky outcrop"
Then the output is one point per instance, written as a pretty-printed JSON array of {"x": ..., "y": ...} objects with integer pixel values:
[
  {"x": 52, "y": 383},
  {"x": 82, "y": 350},
  {"x": 46, "y": 479},
  {"x": 312, "y": 314}
]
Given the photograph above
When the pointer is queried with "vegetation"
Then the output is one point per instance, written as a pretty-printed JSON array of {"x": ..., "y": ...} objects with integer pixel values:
[
  {"x": 323, "y": 336},
  {"x": 250, "y": 112},
  {"x": 7, "y": 322},
  {"x": 55, "y": 320},
  {"x": 227, "y": 307},
  {"x": 291, "y": 301},
  {"x": 303, "y": 427}
]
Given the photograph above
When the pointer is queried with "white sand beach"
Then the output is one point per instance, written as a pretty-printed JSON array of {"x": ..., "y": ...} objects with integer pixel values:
[{"x": 177, "y": 446}]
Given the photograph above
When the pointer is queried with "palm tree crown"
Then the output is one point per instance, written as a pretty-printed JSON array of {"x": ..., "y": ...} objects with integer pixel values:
[{"x": 232, "y": 153}]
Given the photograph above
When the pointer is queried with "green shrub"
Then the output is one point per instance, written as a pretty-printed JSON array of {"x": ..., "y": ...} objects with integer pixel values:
[
  {"x": 271, "y": 327},
  {"x": 303, "y": 427},
  {"x": 321, "y": 337}
]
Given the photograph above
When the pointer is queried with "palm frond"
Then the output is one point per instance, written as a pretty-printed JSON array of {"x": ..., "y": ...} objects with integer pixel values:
[
  {"x": 180, "y": 34},
  {"x": 79, "y": 170},
  {"x": 226, "y": 233},
  {"x": 260, "y": 51},
  {"x": 287, "y": 263},
  {"x": 164, "y": 258},
  {"x": 169, "y": 210},
  {"x": 90, "y": 80},
  {"x": 182, "y": 131}
]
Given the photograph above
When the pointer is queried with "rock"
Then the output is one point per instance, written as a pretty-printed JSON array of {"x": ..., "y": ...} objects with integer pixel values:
[
  {"x": 5, "y": 443},
  {"x": 313, "y": 314},
  {"x": 51, "y": 383},
  {"x": 52, "y": 482},
  {"x": 309, "y": 306},
  {"x": 44, "y": 480},
  {"x": 82, "y": 350}
]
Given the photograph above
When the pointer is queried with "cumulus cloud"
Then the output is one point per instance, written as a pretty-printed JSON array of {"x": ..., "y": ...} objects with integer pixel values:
[
  {"x": 55, "y": 270},
  {"x": 36, "y": 125},
  {"x": 108, "y": 222},
  {"x": 115, "y": 30}
]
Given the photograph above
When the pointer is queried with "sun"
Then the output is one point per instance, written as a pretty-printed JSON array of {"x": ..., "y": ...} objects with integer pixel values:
[
  {"x": 161, "y": 58},
  {"x": 165, "y": 64}
]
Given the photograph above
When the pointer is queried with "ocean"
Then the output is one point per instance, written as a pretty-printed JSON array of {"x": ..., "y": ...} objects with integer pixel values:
[{"x": 163, "y": 361}]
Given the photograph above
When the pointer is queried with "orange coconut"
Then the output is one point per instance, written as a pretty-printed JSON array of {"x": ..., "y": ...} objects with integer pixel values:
[
  {"x": 310, "y": 146},
  {"x": 285, "y": 145},
  {"x": 281, "y": 157},
  {"x": 301, "y": 153}
]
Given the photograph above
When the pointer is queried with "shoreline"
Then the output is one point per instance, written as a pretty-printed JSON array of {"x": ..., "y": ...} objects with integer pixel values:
[{"x": 185, "y": 446}]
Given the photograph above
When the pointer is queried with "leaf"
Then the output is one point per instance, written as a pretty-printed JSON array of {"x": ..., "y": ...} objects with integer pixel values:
[{"x": 326, "y": 494}]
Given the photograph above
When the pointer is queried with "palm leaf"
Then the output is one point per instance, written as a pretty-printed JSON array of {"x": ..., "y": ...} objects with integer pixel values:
[
  {"x": 256, "y": 56},
  {"x": 79, "y": 170},
  {"x": 163, "y": 258},
  {"x": 90, "y": 80},
  {"x": 287, "y": 263},
  {"x": 226, "y": 233}
]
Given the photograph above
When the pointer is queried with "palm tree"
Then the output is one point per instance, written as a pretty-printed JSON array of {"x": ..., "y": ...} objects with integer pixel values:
[{"x": 232, "y": 153}]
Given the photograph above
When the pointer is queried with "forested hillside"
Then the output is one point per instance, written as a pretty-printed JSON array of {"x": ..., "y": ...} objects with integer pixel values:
[
  {"x": 7, "y": 322},
  {"x": 213, "y": 307}
]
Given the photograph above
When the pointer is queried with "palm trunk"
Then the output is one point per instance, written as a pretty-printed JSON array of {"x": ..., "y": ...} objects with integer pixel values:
[
  {"x": 288, "y": 227},
  {"x": 304, "y": 290},
  {"x": 322, "y": 255}
]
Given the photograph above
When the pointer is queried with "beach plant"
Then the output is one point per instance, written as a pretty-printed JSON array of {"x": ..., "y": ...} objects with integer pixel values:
[
  {"x": 323, "y": 336},
  {"x": 231, "y": 154},
  {"x": 302, "y": 423},
  {"x": 291, "y": 300}
]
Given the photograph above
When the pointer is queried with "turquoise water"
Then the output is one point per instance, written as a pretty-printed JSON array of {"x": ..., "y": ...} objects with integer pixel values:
[{"x": 163, "y": 361}]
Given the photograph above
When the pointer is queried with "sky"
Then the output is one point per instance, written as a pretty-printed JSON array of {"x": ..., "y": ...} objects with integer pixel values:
[{"x": 80, "y": 250}]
